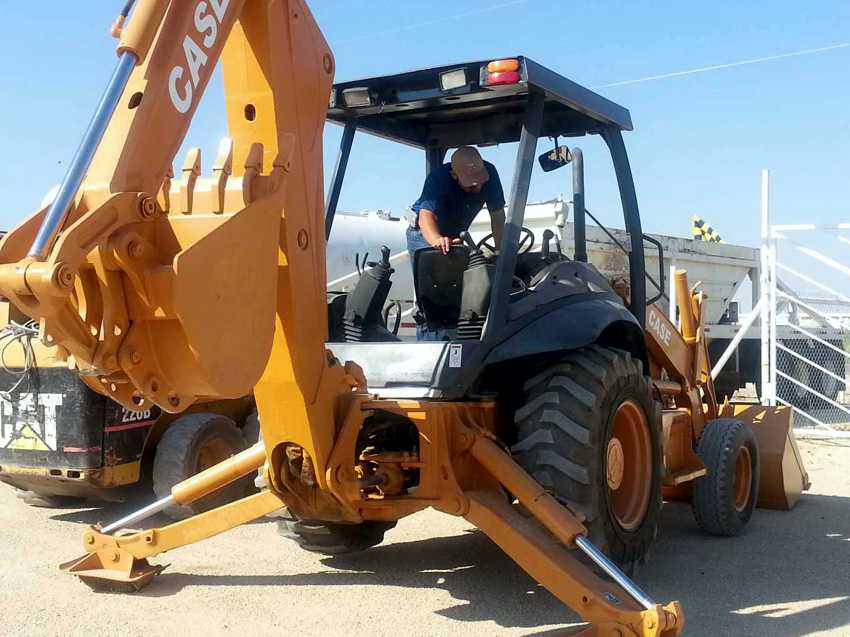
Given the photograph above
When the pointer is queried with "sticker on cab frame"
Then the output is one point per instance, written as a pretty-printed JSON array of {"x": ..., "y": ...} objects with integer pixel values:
[{"x": 455, "y": 355}]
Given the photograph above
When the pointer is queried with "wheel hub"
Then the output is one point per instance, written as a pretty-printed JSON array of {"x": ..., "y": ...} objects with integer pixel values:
[
  {"x": 615, "y": 464},
  {"x": 628, "y": 466},
  {"x": 743, "y": 478},
  {"x": 212, "y": 452}
]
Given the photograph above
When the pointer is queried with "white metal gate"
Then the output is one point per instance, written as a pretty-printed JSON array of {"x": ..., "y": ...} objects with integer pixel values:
[{"x": 805, "y": 303}]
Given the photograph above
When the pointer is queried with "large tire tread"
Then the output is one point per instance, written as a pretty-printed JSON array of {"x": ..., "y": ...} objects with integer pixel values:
[
  {"x": 714, "y": 494},
  {"x": 561, "y": 436},
  {"x": 331, "y": 538}
]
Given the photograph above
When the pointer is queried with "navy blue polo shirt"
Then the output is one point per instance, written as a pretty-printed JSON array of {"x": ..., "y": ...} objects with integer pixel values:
[{"x": 454, "y": 207}]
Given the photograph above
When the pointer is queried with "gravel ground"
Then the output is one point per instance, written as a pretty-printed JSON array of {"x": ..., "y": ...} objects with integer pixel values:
[{"x": 789, "y": 574}]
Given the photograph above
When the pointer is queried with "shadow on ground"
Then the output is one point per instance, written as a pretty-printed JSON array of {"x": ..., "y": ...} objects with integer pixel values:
[{"x": 786, "y": 575}]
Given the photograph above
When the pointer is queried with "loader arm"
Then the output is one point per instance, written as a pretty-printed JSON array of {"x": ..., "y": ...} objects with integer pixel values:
[{"x": 165, "y": 289}]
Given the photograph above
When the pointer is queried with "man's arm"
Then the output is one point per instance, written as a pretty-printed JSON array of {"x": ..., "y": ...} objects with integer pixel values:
[
  {"x": 431, "y": 231},
  {"x": 497, "y": 226}
]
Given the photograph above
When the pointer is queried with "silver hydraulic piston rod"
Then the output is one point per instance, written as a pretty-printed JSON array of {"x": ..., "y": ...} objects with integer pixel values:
[
  {"x": 614, "y": 572},
  {"x": 58, "y": 211}
]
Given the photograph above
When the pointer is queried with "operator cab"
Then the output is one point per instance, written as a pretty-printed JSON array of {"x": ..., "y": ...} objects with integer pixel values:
[{"x": 494, "y": 302}]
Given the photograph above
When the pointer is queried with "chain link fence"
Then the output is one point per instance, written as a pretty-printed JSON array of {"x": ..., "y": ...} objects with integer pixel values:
[{"x": 811, "y": 335}]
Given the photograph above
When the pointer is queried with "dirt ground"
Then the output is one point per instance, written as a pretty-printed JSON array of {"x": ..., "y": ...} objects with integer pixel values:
[{"x": 789, "y": 574}]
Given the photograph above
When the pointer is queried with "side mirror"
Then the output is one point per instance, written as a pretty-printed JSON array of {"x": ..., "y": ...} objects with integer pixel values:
[{"x": 554, "y": 159}]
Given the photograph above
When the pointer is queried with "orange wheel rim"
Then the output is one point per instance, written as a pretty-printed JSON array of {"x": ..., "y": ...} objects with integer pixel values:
[
  {"x": 743, "y": 478},
  {"x": 212, "y": 452},
  {"x": 628, "y": 466}
]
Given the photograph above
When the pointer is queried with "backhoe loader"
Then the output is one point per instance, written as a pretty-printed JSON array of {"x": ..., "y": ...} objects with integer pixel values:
[{"x": 165, "y": 294}]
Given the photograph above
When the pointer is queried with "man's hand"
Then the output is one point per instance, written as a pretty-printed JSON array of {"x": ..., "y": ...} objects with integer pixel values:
[
  {"x": 431, "y": 232},
  {"x": 444, "y": 244}
]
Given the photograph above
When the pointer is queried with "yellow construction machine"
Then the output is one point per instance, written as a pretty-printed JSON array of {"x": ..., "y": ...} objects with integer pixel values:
[{"x": 552, "y": 421}]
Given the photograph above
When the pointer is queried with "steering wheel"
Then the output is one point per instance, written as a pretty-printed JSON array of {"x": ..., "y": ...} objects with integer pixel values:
[{"x": 526, "y": 242}]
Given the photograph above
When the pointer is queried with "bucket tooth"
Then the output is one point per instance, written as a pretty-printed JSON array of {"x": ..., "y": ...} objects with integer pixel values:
[
  {"x": 222, "y": 169},
  {"x": 185, "y": 186},
  {"x": 112, "y": 570},
  {"x": 253, "y": 170}
]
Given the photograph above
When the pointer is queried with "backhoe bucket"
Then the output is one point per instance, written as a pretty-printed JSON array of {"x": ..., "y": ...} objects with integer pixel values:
[{"x": 783, "y": 477}]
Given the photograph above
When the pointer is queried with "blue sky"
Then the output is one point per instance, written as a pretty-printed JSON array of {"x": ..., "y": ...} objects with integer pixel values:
[{"x": 699, "y": 140}]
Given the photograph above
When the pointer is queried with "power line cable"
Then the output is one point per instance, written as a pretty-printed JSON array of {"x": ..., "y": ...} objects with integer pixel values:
[{"x": 728, "y": 65}]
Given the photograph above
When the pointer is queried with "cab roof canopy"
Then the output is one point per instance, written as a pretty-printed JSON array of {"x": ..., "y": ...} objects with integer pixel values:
[{"x": 464, "y": 104}]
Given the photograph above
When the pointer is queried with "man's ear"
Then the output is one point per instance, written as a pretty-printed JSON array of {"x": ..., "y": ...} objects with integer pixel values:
[{"x": 452, "y": 173}]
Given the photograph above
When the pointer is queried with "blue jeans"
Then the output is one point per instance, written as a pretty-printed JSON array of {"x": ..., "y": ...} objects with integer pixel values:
[
  {"x": 425, "y": 331},
  {"x": 415, "y": 241}
]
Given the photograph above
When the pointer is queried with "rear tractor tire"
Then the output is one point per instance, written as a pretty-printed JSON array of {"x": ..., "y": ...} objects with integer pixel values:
[
  {"x": 331, "y": 538},
  {"x": 191, "y": 444},
  {"x": 589, "y": 432},
  {"x": 724, "y": 500}
]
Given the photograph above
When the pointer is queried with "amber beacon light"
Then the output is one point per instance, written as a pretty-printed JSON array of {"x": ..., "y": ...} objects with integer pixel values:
[{"x": 502, "y": 72}]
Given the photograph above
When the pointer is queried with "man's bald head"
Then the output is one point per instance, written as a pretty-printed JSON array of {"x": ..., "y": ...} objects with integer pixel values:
[{"x": 468, "y": 168}]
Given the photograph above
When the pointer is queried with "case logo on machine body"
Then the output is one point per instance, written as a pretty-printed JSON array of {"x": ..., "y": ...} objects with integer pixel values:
[
  {"x": 31, "y": 423},
  {"x": 657, "y": 326},
  {"x": 206, "y": 24}
]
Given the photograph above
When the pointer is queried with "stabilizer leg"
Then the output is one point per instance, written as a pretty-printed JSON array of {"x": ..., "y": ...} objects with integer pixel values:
[
  {"x": 616, "y": 607},
  {"x": 116, "y": 559},
  {"x": 119, "y": 561}
]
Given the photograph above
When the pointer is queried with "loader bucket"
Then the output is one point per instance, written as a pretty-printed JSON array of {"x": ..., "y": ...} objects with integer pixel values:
[{"x": 782, "y": 477}]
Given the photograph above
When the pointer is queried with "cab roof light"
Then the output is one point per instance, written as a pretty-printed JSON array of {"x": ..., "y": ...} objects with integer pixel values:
[
  {"x": 500, "y": 72},
  {"x": 453, "y": 79},
  {"x": 357, "y": 96},
  {"x": 503, "y": 66}
]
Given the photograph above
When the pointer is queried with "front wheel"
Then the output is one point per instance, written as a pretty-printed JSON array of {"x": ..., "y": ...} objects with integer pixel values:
[
  {"x": 724, "y": 499},
  {"x": 590, "y": 433}
]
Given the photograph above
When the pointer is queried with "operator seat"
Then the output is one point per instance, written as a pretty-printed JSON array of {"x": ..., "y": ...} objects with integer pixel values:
[{"x": 438, "y": 284}]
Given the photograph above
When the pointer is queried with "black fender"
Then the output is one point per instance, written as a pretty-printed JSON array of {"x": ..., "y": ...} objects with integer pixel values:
[{"x": 572, "y": 326}]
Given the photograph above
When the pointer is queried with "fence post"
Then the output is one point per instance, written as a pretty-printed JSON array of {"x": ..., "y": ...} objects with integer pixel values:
[
  {"x": 772, "y": 256},
  {"x": 768, "y": 309}
]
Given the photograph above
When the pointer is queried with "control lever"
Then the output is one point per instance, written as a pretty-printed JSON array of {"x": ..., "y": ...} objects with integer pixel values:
[
  {"x": 476, "y": 255},
  {"x": 468, "y": 240},
  {"x": 389, "y": 308},
  {"x": 384, "y": 263},
  {"x": 363, "y": 307},
  {"x": 475, "y": 299},
  {"x": 547, "y": 237}
]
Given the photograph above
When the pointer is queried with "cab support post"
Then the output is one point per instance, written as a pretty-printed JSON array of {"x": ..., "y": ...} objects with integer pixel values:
[
  {"x": 637, "y": 269},
  {"x": 580, "y": 250},
  {"x": 339, "y": 174},
  {"x": 515, "y": 216}
]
